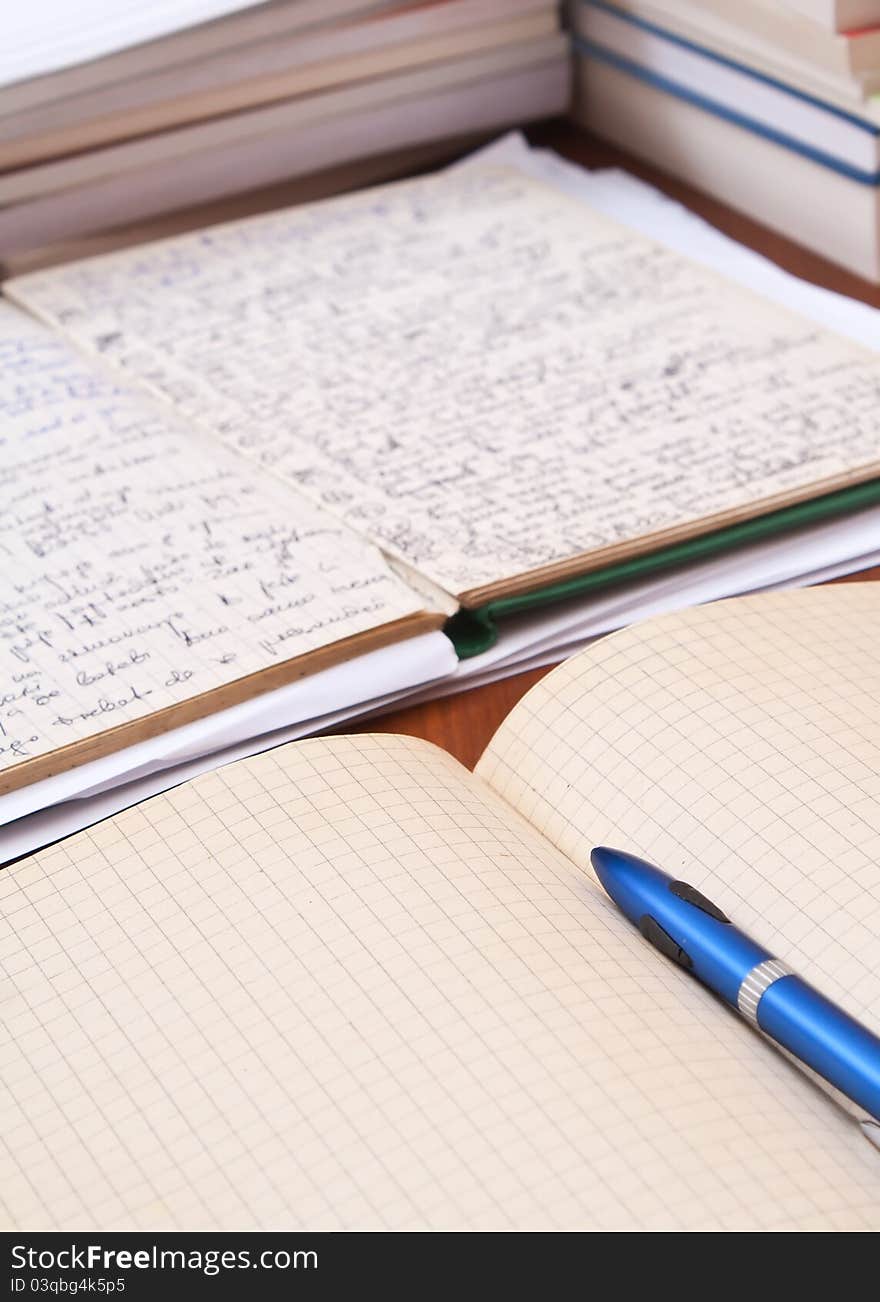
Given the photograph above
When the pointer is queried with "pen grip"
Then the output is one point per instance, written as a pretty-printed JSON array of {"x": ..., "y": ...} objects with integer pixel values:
[{"x": 823, "y": 1037}]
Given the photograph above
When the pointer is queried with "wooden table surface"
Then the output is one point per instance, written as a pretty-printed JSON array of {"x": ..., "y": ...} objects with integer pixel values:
[{"x": 463, "y": 724}]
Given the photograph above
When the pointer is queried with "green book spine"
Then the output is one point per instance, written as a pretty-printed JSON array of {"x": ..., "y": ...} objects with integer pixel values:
[{"x": 475, "y": 631}]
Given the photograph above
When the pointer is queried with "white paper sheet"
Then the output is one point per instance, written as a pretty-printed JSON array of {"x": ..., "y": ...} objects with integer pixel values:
[
  {"x": 310, "y": 705},
  {"x": 354, "y": 683},
  {"x": 46, "y": 35}
]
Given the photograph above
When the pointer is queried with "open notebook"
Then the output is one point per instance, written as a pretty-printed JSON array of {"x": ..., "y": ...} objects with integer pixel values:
[
  {"x": 349, "y": 984},
  {"x": 239, "y": 455}
]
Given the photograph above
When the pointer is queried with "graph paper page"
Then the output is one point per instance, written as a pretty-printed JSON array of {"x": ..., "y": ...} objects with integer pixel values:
[
  {"x": 343, "y": 986},
  {"x": 737, "y": 745}
]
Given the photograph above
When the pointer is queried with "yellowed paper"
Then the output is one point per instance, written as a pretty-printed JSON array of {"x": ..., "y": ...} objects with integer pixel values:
[
  {"x": 344, "y": 986},
  {"x": 141, "y": 565},
  {"x": 737, "y": 746},
  {"x": 484, "y": 376}
]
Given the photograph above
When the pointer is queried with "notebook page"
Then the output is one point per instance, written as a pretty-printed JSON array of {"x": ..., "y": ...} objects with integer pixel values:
[
  {"x": 341, "y": 985},
  {"x": 477, "y": 371},
  {"x": 142, "y": 566},
  {"x": 736, "y": 745}
]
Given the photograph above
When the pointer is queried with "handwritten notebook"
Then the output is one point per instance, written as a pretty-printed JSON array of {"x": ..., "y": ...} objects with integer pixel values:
[
  {"x": 348, "y": 984},
  {"x": 235, "y": 455}
]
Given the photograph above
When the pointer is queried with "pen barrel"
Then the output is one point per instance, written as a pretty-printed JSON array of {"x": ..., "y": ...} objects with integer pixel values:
[{"x": 824, "y": 1038}]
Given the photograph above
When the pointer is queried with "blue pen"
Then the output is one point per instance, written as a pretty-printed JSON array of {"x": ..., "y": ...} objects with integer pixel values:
[{"x": 693, "y": 932}]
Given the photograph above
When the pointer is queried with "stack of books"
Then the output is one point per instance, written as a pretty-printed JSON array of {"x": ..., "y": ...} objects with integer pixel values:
[
  {"x": 773, "y": 106},
  {"x": 126, "y": 117}
]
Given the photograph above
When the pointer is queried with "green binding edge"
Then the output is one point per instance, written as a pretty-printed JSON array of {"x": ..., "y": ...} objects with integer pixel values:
[{"x": 475, "y": 631}]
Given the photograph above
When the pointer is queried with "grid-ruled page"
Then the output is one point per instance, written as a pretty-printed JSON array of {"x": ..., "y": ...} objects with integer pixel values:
[
  {"x": 342, "y": 985},
  {"x": 142, "y": 566},
  {"x": 737, "y": 746}
]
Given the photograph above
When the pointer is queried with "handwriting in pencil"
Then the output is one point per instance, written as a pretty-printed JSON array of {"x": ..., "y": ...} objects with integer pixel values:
[
  {"x": 482, "y": 376},
  {"x": 137, "y": 559}
]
